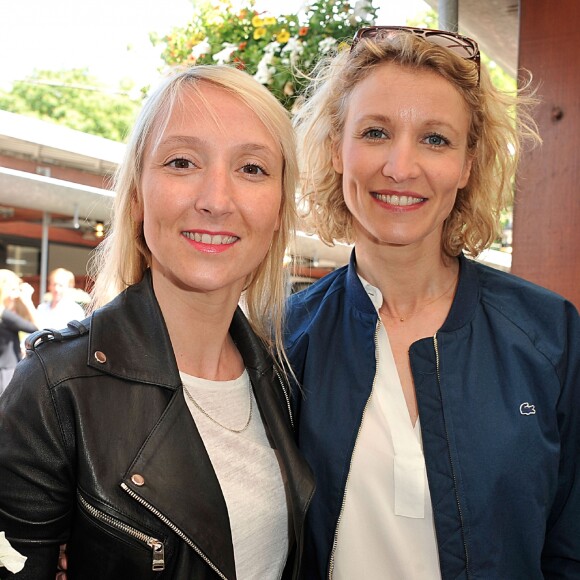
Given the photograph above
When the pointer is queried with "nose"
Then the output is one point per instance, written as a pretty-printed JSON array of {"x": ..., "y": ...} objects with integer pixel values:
[
  {"x": 401, "y": 161},
  {"x": 215, "y": 197}
]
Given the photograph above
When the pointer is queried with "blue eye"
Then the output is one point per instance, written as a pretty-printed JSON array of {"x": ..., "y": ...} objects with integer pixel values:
[
  {"x": 436, "y": 140},
  {"x": 375, "y": 134}
]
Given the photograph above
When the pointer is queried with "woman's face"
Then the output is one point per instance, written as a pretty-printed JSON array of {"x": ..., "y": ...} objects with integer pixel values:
[
  {"x": 210, "y": 193},
  {"x": 403, "y": 155},
  {"x": 12, "y": 292}
]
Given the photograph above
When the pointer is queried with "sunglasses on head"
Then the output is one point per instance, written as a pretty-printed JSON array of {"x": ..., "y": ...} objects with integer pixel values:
[{"x": 462, "y": 46}]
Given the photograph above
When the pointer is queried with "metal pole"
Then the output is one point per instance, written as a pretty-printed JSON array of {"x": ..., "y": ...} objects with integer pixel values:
[
  {"x": 449, "y": 15},
  {"x": 44, "y": 255}
]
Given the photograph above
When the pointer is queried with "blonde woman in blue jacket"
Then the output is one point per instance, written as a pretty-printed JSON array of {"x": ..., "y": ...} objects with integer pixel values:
[{"x": 439, "y": 400}]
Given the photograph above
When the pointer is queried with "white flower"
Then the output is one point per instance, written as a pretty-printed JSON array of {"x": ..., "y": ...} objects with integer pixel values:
[
  {"x": 327, "y": 44},
  {"x": 293, "y": 46},
  {"x": 291, "y": 50},
  {"x": 9, "y": 557},
  {"x": 264, "y": 70},
  {"x": 225, "y": 53},
  {"x": 361, "y": 9},
  {"x": 200, "y": 49}
]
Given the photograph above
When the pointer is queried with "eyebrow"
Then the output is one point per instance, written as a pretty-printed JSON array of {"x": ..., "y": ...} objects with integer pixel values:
[{"x": 383, "y": 119}]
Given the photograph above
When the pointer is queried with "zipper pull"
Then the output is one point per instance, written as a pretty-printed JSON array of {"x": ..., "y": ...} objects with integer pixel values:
[{"x": 158, "y": 548}]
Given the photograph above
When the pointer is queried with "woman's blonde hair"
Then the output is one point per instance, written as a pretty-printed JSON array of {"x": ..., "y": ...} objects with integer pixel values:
[
  {"x": 500, "y": 123},
  {"x": 123, "y": 256}
]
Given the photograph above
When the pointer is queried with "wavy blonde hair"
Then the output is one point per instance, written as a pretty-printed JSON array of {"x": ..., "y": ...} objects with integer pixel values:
[
  {"x": 123, "y": 256},
  {"x": 500, "y": 123}
]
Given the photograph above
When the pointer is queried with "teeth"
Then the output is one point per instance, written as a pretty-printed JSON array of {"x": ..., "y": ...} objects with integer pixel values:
[
  {"x": 216, "y": 240},
  {"x": 400, "y": 200}
]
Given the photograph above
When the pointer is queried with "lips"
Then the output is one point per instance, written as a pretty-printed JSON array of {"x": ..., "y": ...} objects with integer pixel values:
[{"x": 211, "y": 239}]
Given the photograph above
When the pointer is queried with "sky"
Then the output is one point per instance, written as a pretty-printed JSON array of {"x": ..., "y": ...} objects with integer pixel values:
[{"x": 111, "y": 37}]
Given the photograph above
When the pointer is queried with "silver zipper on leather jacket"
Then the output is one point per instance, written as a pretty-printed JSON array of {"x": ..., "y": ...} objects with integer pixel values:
[
  {"x": 173, "y": 527},
  {"x": 467, "y": 572},
  {"x": 286, "y": 396},
  {"x": 157, "y": 547},
  {"x": 335, "y": 541}
]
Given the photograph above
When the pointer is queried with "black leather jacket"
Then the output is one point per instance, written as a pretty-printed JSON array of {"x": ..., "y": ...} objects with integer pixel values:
[{"x": 99, "y": 450}]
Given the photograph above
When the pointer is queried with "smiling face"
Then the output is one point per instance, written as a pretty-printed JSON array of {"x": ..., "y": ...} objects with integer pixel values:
[
  {"x": 403, "y": 156},
  {"x": 210, "y": 193}
]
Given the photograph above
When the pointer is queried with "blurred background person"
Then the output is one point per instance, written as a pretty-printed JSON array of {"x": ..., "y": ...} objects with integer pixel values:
[
  {"x": 17, "y": 315},
  {"x": 60, "y": 307}
]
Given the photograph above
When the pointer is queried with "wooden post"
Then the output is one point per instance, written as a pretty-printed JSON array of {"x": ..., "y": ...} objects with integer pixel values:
[{"x": 546, "y": 235}]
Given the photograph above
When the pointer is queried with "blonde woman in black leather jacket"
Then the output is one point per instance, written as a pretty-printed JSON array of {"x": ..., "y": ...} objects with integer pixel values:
[{"x": 155, "y": 438}]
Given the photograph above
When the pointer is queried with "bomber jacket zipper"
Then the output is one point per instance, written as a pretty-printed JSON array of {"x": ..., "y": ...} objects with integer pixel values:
[
  {"x": 467, "y": 572},
  {"x": 173, "y": 527},
  {"x": 335, "y": 541},
  {"x": 157, "y": 547}
]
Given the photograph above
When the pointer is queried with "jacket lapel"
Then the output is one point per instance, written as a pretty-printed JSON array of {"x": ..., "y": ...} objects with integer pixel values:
[{"x": 173, "y": 474}]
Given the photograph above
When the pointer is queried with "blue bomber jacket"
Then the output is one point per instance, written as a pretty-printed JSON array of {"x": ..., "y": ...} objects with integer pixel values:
[{"x": 498, "y": 390}]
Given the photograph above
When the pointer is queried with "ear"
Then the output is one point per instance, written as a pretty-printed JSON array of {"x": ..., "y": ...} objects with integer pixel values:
[
  {"x": 337, "y": 158},
  {"x": 466, "y": 172}
]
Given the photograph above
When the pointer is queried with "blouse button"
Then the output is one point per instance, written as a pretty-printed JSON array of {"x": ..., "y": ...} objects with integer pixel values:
[
  {"x": 138, "y": 479},
  {"x": 100, "y": 356}
]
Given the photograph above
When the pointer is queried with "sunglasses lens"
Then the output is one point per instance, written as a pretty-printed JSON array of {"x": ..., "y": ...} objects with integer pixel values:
[{"x": 459, "y": 46}]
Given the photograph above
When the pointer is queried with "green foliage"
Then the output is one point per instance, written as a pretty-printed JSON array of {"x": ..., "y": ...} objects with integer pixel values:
[
  {"x": 270, "y": 48},
  {"x": 75, "y": 99}
]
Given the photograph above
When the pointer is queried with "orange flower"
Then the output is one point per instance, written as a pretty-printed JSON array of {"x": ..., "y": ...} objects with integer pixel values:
[
  {"x": 243, "y": 45},
  {"x": 303, "y": 31}
]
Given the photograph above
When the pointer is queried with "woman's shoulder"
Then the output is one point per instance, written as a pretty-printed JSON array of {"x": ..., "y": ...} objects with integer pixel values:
[
  {"x": 544, "y": 315},
  {"x": 514, "y": 289},
  {"x": 62, "y": 353},
  {"x": 318, "y": 291}
]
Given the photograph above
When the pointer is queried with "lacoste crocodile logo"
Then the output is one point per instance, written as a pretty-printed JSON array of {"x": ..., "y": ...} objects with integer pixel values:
[{"x": 527, "y": 409}]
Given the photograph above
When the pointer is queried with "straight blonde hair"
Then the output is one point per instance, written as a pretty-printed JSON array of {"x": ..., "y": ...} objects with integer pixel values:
[{"x": 123, "y": 256}]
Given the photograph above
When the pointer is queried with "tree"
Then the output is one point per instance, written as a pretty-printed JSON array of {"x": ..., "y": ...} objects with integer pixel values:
[
  {"x": 75, "y": 99},
  {"x": 271, "y": 48}
]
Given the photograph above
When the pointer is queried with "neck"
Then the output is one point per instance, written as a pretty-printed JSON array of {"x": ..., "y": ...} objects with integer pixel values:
[
  {"x": 407, "y": 277},
  {"x": 198, "y": 326}
]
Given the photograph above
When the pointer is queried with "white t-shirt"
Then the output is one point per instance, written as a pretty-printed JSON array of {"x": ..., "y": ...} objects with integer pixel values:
[
  {"x": 386, "y": 531},
  {"x": 248, "y": 472}
]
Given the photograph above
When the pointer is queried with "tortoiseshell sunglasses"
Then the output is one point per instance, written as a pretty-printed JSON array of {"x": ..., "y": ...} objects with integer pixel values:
[{"x": 463, "y": 46}]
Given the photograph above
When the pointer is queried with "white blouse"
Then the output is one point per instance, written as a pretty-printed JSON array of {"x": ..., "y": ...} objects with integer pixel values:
[{"x": 386, "y": 530}]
